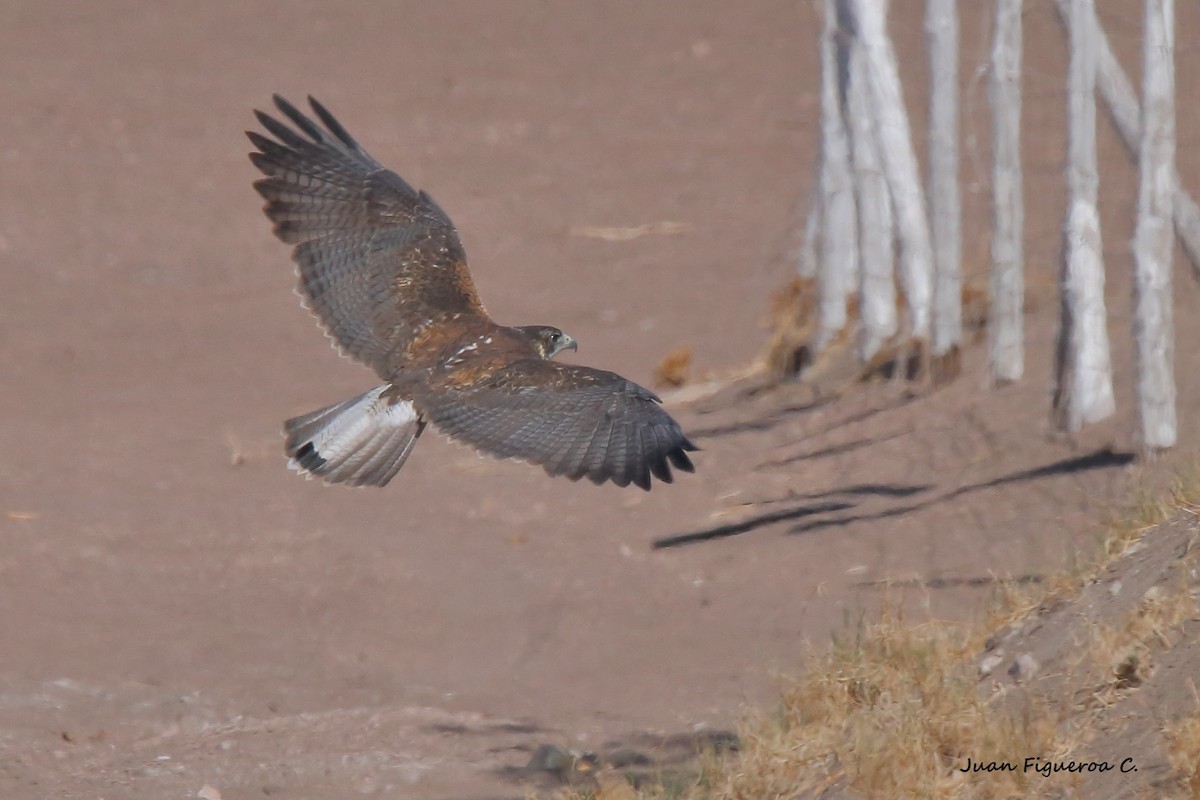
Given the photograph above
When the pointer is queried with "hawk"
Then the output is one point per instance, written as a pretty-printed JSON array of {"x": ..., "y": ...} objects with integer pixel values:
[{"x": 382, "y": 267}]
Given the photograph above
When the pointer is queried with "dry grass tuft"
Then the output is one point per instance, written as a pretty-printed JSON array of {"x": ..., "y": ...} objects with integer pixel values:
[
  {"x": 1126, "y": 649},
  {"x": 675, "y": 368},
  {"x": 1183, "y": 747},
  {"x": 792, "y": 320}
]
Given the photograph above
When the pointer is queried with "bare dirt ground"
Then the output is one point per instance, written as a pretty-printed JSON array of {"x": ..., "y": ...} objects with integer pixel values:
[{"x": 178, "y": 611}]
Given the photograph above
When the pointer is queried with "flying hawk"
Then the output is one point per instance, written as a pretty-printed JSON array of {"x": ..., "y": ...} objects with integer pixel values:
[{"x": 382, "y": 267}]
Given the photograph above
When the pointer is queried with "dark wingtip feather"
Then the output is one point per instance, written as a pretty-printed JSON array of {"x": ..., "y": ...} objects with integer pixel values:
[
  {"x": 280, "y": 131},
  {"x": 259, "y": 141},
  {"x": 299, "y": 119},
  {"x": 265, "y": 119},
  {"x": 661, "y": 470},
  {"x": 680, "y": 459},
  {"x": 284, "y": 105},
  {"x": 264, "y": 165},
  {"x": 332, "y": 124},
  {"x": 264, "y": 186}
]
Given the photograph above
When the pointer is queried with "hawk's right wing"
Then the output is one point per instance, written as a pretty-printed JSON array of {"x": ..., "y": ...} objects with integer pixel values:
[
  {"x": 572, "y": 420},
  {"x": 378, "y": 260}
]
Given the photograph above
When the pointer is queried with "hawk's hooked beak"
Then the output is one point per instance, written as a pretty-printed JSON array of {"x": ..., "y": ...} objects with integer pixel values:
[{"x": 567, "y": 344}]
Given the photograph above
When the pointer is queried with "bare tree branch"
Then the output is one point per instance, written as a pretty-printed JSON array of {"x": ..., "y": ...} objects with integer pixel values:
[{"x": 1126, "y": 114}]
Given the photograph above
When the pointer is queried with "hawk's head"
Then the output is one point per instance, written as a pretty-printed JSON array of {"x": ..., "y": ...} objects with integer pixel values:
[{"x": 547, "y": 340}]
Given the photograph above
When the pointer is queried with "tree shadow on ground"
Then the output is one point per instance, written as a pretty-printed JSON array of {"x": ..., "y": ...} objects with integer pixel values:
[
  {"x": 831, "y": 450},
  {"x": 1100, "y": 459},
  {"x": 758, "y": 423},
  {"x": 735, "y": 528},
  {"x": 795, "y": 512}
]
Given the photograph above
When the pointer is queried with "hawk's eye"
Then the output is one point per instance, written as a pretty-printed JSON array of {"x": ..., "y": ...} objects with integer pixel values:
[{"x": 556, "y": 337}]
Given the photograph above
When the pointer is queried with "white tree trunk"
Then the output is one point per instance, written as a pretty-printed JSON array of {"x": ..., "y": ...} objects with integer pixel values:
[
  {"x": 839, "y": 235},
  {"x": 1126, "y": 113},
  {"x": 806, "y": 257},
  {"x": 876, "y": 232},
  {"x": 1152, "y": 243},
  {"x": 1084, "y": 390},
  {"x": 899, "y": 163},
  {"x": 945, "y": 204},
  {"x": 1006, "y": 345}
]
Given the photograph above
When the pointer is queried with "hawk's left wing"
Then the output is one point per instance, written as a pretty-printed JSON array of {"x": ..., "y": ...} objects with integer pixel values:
[{"x": 572, "y": 420}]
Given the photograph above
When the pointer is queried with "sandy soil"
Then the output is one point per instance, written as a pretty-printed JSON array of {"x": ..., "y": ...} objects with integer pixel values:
[{"x": 179, "y": 611}]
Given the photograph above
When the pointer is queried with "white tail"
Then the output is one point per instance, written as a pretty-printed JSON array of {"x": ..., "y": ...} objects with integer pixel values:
[{"x": 362, "y": 441}]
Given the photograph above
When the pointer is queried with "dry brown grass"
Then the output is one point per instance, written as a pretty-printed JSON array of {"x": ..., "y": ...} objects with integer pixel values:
[
  {"x": 1114, "y": 536},
  {"x": 675, "y": 368},
  {"x": 891, "y": 710},
  {"x": 1125, "y": 650},
  {"x": 792, "y": 321},
  {"x": 894, "y": 709},
  {"x": 1183, "y": 747}
]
